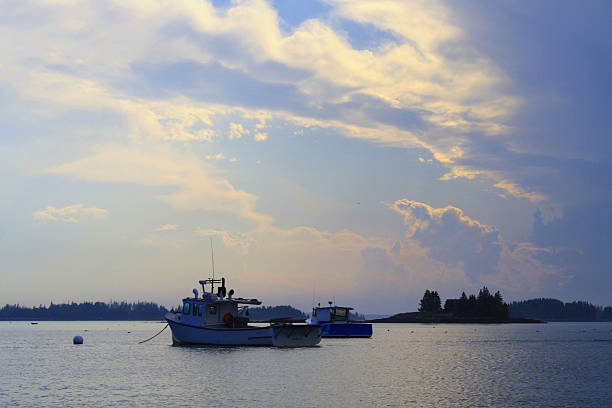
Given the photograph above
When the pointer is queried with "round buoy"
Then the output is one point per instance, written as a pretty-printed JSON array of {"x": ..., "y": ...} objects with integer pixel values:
[{"x": 77, "y": 340}]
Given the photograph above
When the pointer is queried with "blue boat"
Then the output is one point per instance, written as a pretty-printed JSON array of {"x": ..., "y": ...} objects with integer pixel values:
[{"x": 335, "y": 322}]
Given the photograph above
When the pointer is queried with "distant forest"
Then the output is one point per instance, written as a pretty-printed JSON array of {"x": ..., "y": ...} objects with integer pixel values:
[
  {"x": 86, "y": 311},
  {"x": 125, "y": 311},
  {"x": 264, "y": 313},
  {"x": 556, "y": 310}
]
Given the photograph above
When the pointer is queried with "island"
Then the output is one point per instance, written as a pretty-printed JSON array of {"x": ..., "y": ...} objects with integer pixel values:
[{"x": 484, "y": 308}]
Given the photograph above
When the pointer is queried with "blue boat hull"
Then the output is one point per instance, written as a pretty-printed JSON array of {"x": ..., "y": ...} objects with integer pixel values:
[{"x": 347, "y": 330}]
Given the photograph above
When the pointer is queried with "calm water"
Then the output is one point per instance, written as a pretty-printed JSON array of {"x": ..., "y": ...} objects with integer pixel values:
[{"x": 556, "y": 365}]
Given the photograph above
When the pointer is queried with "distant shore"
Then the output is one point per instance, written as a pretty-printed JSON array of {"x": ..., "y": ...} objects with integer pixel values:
[{"x": 420, "y": 317}]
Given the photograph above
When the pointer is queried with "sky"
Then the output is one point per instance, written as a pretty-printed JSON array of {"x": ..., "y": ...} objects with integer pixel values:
[{"x": 361, "y": 151}]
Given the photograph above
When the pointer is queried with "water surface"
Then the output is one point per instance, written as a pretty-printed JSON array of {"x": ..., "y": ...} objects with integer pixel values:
[{"x": 420, "y": 365}]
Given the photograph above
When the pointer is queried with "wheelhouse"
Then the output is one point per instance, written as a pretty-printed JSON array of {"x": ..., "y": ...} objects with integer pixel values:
[
  {"x": 332, "y": 314},
  {"x": 212, "y": 309}
]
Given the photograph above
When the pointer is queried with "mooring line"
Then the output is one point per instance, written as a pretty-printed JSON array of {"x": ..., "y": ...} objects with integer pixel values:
[{"x": 151, "y": 338}]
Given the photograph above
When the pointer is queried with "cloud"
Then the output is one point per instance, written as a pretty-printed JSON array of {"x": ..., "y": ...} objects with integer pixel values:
[
  {"x": 236, "y": 131},
  {"x": 517, "y": 191},
  {"x": 218, "y": 156},
  {"x": 191, "y": 64},
  {"x": 260, "y": 136},
  {"x": 522, "y": 272},
  {"x": 478, "y": 252},
  {"x": 439, "y": 84},
  {"x": 196, "y": 185},
  {"x": 73, "y": 213},
  {"x": 452, "y": 237},
  {"x": 244, "y": 242},
  {"x": 167, "y": 227}
]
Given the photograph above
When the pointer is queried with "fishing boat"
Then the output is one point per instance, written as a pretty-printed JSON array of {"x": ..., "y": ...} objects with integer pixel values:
[
  {"x": 335, "y": 321},
  {"x": 222, "y": 319}
]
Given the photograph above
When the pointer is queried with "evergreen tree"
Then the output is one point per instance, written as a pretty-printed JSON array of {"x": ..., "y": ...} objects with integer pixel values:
[
  {"x": 431, "y": 302},
  {"x": 485, "y": 305},
  {"x": 85, "y": 311},
  {"x": 555, "y": 310},
  {"x": 606, "y": 314}
]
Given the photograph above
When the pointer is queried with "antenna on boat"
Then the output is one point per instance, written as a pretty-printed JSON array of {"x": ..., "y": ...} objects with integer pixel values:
[
  {"x": 313, "y": 295},
  {"x": 212, "y": 256}
]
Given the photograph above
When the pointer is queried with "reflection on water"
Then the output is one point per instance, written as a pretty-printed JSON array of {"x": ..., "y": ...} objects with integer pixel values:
[{"x": 557, "y": 364}]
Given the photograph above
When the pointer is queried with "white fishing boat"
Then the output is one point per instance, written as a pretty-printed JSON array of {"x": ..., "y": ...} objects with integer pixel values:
[{"x": 222, "y": 319}]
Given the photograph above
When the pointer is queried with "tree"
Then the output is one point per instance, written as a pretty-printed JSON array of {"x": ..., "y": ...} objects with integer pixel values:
[
  {"x": 484, "y": 305},
  {"x": 553, "y": 309},
  {"x": 431, "y": 302}
]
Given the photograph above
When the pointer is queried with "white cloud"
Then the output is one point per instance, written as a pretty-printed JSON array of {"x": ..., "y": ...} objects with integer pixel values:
[
  {"x": 218, "y": 156},
  {"x": 73, "y": 213},
  {"x": 236, "y": 131},
  {"x": 198, "y": 188},
  {"x": 429, "y": 71},
  {"x": 260, "y": 136}
]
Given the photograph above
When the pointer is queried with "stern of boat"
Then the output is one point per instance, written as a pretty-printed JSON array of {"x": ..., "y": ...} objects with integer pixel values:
[{"x": 296, "y": 335}]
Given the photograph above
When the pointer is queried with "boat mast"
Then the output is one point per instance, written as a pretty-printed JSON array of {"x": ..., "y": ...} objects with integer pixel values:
[{"x": 212, "y": 256}]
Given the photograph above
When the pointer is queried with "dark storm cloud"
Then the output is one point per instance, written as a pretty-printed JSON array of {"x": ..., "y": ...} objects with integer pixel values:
[{"x": 558, "y": 56}]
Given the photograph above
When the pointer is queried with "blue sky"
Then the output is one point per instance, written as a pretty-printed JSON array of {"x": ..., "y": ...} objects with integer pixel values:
[{"x": 366, "y": 150}]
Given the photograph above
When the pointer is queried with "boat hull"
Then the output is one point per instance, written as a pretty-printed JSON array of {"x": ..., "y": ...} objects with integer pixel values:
[
  {"x": 285, "y": 335},
  {"x": 363, "y": 330}
]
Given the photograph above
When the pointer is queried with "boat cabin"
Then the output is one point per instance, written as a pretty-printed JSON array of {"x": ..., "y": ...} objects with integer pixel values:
[
  {"x": 331, "y": 314},
  {"x": 219, "y": 309}
]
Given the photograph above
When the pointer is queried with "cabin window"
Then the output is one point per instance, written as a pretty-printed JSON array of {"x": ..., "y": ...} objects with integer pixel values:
[
  {"x": 314, "y": 312},
  {"x": 186, "y": 308},
  {"x": 212, "y": 309},
  {"x": 195, "y": 309},
  {"x": 341, "y": 313},
  {"x": 200, "y": 309}
]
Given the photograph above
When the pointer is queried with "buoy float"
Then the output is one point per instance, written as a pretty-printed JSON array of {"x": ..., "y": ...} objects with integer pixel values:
[{"x": 77, "y": 340}]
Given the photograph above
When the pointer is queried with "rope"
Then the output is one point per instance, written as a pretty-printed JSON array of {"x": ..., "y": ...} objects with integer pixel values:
[{"x": 151, "y": 338}]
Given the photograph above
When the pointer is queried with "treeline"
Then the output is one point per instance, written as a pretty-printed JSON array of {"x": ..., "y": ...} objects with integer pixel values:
[
  {"x": 265, "y": 313},
  {"x": 556, "y": 310},
  {"x": 354, "y": 316},
  {"x": 85, "y": 311},
  {"x": 485, "y": 305}
]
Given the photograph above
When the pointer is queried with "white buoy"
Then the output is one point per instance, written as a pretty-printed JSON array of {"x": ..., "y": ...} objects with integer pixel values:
[{"x": 77, "y": 340}]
